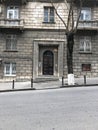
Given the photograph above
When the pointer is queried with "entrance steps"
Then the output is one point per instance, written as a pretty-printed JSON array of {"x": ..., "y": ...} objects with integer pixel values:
[{"x": 45, "y": 79}]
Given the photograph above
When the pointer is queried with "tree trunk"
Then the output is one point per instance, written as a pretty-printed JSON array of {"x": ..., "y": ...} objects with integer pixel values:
[{"x": 70, "y": 44}]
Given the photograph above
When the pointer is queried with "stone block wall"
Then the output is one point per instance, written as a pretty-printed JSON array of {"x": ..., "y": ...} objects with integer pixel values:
[
  {"x": 36, "y": 30},
  {"x": 33, "y": 15},
  {"x": 24, "y": 55},
  {"x": 86, "y": 58}
]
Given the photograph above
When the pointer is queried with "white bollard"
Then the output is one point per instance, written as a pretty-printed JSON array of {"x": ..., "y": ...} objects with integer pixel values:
[{"x": 71, "y": 80}]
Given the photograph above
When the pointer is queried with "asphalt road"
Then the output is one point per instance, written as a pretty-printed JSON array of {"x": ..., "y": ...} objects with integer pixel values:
[{"x": 59, "y": 109}]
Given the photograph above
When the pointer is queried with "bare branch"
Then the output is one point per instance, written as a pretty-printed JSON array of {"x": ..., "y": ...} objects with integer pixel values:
[
  {"x": 72, "y": 19},
  {"x": 58, "y": 14},
  {"x": 67, "y": 5},
  {"x": 69, "y": 17},
  {"x": 79, "y": 14}
]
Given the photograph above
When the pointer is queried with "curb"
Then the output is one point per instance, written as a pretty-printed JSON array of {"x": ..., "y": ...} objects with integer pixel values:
[
  {"x": 28, "y": 89},
  {"x": 65, "y": 86},
  {"x": 15, "y": 90},
  {"x": 82, "y": 85}
]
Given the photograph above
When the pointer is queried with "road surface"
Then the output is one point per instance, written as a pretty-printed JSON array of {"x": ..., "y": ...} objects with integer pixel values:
[{"x": 58, "y": 109}]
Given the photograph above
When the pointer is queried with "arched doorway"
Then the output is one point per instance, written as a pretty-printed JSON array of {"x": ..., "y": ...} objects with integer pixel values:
[{"x": 48, "y": 62}]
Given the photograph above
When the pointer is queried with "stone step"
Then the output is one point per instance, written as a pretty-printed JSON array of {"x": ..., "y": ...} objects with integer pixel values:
[{"x": 46, "y": 79}]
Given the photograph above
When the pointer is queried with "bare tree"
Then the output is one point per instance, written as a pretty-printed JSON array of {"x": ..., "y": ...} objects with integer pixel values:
[{"x": 70, "y": 29}]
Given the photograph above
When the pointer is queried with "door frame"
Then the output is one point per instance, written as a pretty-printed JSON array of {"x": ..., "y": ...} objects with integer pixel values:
[{"x": 35, "y": 53}]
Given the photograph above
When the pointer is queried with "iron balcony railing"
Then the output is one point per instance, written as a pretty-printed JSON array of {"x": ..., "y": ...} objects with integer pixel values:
[
  {"x": 11, "y": 23},
  {"x": 14, "y": 1},
  {"x": 90, "y": 1},
  {"x": 88, "y": 24}
]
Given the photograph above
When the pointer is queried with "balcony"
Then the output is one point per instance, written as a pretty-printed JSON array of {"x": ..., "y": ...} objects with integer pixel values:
[
  {"x": 86, "y": 2},
  {"x": 75, "y": 1},
  {"x": 12, "y": 24},
  {"x": 88, "y": 25},
  {"x": 14, "y": 1},
  {"x": 48, "y": 1}
]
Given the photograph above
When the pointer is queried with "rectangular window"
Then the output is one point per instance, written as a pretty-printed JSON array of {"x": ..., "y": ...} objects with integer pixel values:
[
  {"x": 86, "y": 67},
  {"x": 85, "y": 14},
  {"x": 11, "y": 43},
  {"x": 13, "y": 12},
  {"x": 85, "y": 44},
  {"x": 10, "y": 69},
  {"x": 12, "y": 15},
  {"x": 48, "y": 14}
]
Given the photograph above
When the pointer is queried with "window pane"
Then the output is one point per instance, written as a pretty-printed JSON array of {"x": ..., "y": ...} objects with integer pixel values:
[
  {"x": 13, "y": 68},
  {"x": 10, "y": 14},
  {"x": 16, "y": 14},
  {"x": 48, "y": 14},
  {"x": 81, "y": 17},
  {"x": 7, "y": 68},
  {"x": 81, "y": 45},
  {"x": 13, "y": 12},
  {"x": 11, "y": 42},
  {"x": 87, "y": 44},
  {"x": 51, "y": 19},
  {"x": 51, "y": 14},
  {"x": 8, "y": 44},
  {"x": 88, "y": 14},
  {"x": 10, "y": 69},
  {"x": 45, "y": 14},
  {"x": 14, "y": 44},
  {"x": 85, "y": 14}
]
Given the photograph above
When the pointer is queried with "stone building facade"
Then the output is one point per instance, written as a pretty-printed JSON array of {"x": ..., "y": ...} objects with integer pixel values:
[{"x": 33, "y": 41}]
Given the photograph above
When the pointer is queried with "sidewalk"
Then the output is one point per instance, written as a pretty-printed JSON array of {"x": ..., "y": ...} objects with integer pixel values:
[
  {"x": 27, "y": 85},
  {"x": 8, "y": 86}
]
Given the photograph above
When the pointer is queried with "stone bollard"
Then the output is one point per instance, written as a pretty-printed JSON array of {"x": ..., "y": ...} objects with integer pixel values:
[{"x": 71, "y": 80}]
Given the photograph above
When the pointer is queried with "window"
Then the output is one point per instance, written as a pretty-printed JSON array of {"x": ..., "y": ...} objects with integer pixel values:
[
  {"x": 12, "y": 12},
  {"x": 48, "y": 14},
  {"x": 11, "y": 43},
  {"x": 10, "y": 69},
  {"x": 85, "y": 44},
  {"x": 86, "y": 67},
  {"x": 85, "y": 14},
  {"x": 12, "y": 15}
]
